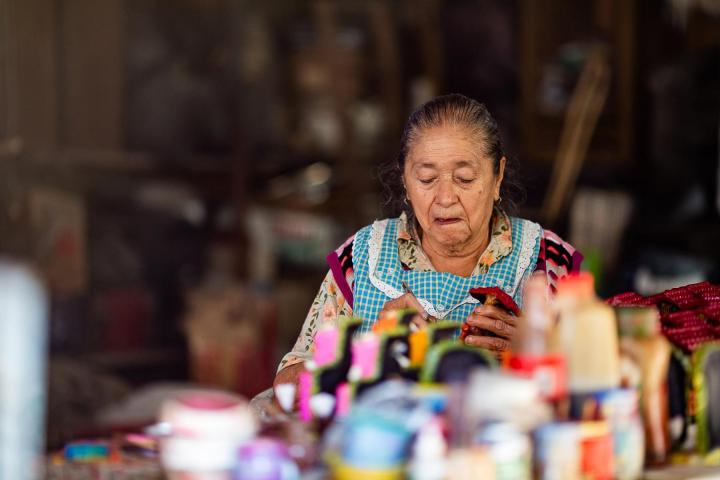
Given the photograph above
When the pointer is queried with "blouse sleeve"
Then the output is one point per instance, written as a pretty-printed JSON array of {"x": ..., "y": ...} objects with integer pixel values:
[
  {"x": 557, "y": 259},
  {"x": 328, "y": 306}
]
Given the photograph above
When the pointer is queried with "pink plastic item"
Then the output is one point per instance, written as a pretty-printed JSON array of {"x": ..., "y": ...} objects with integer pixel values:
[
  {"x": 326, "y": 340},
  {"x": 343, "y": 400},
  {"x": 305, "y": 392},
  {"x": 364, "y": 355}
]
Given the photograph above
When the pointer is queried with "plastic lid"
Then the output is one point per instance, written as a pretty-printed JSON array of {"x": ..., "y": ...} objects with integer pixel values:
[
  {"x": 580, "y": 285},
  {"x": 210, "y": 414},
  {"x": 206, "y": 428},
  {"x": 594, "y": 429},
  {"x": 267, "y": 447}
]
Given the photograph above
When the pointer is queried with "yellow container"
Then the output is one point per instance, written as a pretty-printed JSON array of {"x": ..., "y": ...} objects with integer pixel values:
[{"x": 342, "y": 471}]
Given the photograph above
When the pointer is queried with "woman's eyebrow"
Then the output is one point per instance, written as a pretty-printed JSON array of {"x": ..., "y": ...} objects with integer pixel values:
[
  {"x": 425, "y": 165},
  {"x": 457, "y": 164},
  {"x": 464, "y": 163}
]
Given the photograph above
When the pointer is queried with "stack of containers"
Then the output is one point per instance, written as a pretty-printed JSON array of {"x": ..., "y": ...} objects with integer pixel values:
[{"x": 570, "y": 404}]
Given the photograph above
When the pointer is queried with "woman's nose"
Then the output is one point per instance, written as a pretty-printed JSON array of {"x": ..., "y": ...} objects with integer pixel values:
[{"x": 446, "y": 195}]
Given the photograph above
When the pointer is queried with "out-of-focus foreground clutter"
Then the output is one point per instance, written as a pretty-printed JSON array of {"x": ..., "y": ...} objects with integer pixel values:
[
  {"x": 587, "y": 391},
  {"x": 173, "y": 174}
]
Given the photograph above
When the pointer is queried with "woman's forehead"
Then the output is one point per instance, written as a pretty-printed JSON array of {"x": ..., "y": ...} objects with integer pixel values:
[
  {"x": 454, "y": 163},
  {"x": 446, "y": 141},
  {"x": 444, "y": 147}
]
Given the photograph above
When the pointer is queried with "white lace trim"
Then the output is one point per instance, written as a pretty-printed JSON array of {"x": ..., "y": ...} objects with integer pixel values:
[
  {"x": 531, "y": 232},
  {"x": 377, "y": 233},
  {"x": 374, "y": 246}
]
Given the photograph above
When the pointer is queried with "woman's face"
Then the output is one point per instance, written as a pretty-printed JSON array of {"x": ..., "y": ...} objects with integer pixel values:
[{"x": 451, "y": 186}]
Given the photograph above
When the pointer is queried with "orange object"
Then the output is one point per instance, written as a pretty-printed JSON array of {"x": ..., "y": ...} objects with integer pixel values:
[
  {"x": 385, "y": 324},
  {"x": 580, "y": 285},
  {"x": 418, "y": 347},
  {"x": 596, "y": 447}
]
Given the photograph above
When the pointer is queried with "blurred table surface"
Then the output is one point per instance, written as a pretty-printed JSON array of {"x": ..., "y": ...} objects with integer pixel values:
[{"x": 684, "y": 472}]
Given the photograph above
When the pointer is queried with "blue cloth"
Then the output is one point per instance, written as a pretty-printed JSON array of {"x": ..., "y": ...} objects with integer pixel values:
[{"x": 379, "y": 274}]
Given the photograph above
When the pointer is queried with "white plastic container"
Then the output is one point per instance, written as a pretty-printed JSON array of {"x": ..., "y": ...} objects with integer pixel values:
[
  {"x": 23, "y": 359},
  {"x": 206, "y": 430}
]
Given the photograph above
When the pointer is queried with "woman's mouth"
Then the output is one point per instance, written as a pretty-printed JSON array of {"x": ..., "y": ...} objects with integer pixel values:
[{"x": 446, "y": 221}]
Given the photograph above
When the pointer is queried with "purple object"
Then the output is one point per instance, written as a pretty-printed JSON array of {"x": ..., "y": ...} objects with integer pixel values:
[{"x": 265, "y": 459}]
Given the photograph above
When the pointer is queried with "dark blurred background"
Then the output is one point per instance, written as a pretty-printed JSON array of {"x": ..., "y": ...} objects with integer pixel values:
[{"x": 178, "y": 169}]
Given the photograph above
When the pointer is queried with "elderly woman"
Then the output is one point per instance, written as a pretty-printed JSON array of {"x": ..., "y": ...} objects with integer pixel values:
[{"x": 452, "y": 235}]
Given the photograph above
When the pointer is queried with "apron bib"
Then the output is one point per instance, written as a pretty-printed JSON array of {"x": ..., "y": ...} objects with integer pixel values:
[{"x": 379, "y": 274}]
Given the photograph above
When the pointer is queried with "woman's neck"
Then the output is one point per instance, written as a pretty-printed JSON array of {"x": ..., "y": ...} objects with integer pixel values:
[{"x": 459, "y": 261}]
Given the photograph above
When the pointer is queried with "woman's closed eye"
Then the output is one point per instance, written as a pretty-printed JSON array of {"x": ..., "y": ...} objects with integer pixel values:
[
  {"x": 465, "y": 180},
  {"x": 426, "y": 181}
]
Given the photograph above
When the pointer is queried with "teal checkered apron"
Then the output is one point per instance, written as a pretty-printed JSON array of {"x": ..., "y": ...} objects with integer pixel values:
[{"x": 379, "y": 275}]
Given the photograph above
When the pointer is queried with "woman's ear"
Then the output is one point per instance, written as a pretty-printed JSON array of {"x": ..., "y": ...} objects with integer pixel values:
[{"x": 499, "y": 179}]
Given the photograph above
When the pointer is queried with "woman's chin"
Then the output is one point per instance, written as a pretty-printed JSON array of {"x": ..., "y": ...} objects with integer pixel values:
[{"x": 449, "y": 237}]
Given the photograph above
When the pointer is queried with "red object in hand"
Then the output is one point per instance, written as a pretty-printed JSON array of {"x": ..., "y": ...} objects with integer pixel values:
[
  {"x": 499, "y": 298},
  {"x": 466, "y": 330},
  {"x": 489, "y": 296}
]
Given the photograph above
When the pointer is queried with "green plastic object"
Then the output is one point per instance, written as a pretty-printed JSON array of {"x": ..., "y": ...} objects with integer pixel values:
[
  {"x": 678, "y": 390},
  {"x": 592, "y": 262},
  {"x": 638, "y": 321},
  {"x": 443, "y": 330},
  {"x": 706, "y": 384},
  {"x": 450, "y": 359}
]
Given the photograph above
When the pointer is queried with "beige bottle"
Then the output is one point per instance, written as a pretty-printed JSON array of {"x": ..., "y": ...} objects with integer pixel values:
[
  {"x": 643, "y": 345},
  {"x": 586, "y": 334}
]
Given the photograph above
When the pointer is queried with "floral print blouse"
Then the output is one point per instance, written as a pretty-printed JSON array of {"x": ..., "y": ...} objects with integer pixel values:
[{"x": 557, "y": 258}]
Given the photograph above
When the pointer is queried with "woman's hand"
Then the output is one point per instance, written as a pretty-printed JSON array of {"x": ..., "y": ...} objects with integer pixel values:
[
  {"x": 487, "y": 318},
  {"x": 289, "y": 374},
  {"x": 407, "y": 300}
]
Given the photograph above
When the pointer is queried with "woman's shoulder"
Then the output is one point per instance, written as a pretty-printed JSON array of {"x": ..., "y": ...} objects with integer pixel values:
[
  {"x": 545, "y": 233},
  {"x": 554, "y": 240},
  {"x": 363, "y": 234},
  {"x": 557, "y": 258},
  {"x": 344, "y": 253},
  {"x": 342, "y": 262},
  {"x": 555, "y": 255}
]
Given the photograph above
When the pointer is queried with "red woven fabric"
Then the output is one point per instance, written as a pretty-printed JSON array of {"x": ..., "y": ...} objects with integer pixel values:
[{"x": 689, "y": 315}]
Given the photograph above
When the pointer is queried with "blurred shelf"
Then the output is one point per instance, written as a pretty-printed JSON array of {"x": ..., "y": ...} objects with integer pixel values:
[
  {"x": 105, "y": 171},
  {"x": 128, "y": 162},
  {"x": 141, "y": 366},
  {"x": 683, "y": 472},
  {"x": 162, "y": 356},
  {"x": 546, "y": 27}
]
